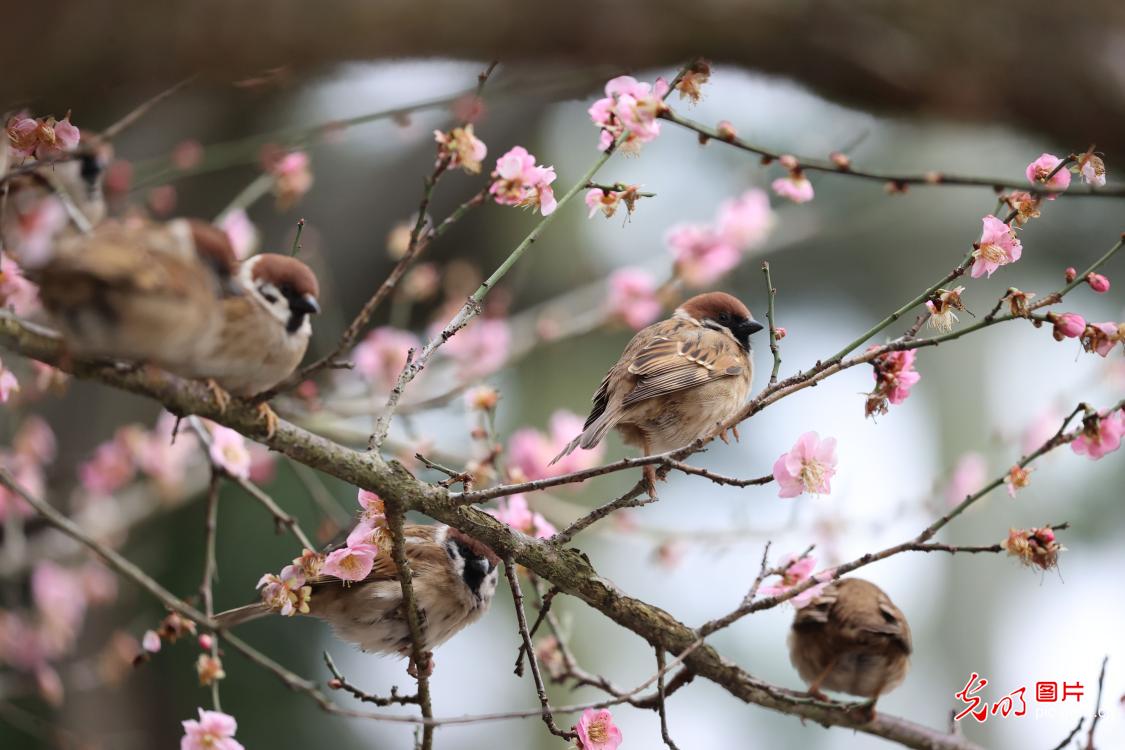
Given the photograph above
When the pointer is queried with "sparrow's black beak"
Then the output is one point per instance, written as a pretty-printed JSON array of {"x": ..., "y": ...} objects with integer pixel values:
[
  {"x": 305, "y": 304},
  {"x": 749, "y": 327},
  {"x": 482, "y": 564}
]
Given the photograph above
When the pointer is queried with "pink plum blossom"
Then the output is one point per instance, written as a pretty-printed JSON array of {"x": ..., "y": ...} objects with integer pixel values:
[
  {"x": 808, "y": 466},
  {"x": 241, "y": 232},
  {"x": 1101, "y": 337},
  {"x": 515, "y": 512},
  {"x": 462, "y": 148},
  {"x": 380, "y": 357},
  {"x": 8, "y": 384},
  {"x": 35, "y": 440},
  {"x": 1098, "y": 283},
  {"x": 480, "y": 348},
  {"x": 292, "y": 178},
  {"x": 351, "y": 563},
  {"x": 1092, "y": 169},
  {"x": 607, "y": 201},
  {"x": 32, "y": 236},
  {"x": 23, "y": 136},
  {"x": 894, "y": 377},
  {"x": 187, "y": 154},
  {"x": 163, "y": 459},
  {"x": 747, "y": 220},
  {"x": 518, "y": 181},
  {"x": 229, "y": 452},
  {"x": 797, "y": 570},
  {"x": 286, "y": 593},
  {"x": 629, "y": 108},
  {"x": 1069, "y": 325},
  {"x": 151, "y": 642},
  {"x": 213, "y": 731},
  {"x": 1101, "y": 436},
  {"x": 111, "y": 467},
  {"x": 59, "y": 597},
  {"x": 702, "y": 255},
  {"x": 998, "y": 246},
  {"x": 632, "y": 297},
  {"x": 795, "y": 187},
  {"x": 16, "y": 292},
  {"x": 969, "y": 475},
  {"x": 1038, "y": 170},
  {"x": 530, "y": 451},
  {"x": 596, "y": 730}
]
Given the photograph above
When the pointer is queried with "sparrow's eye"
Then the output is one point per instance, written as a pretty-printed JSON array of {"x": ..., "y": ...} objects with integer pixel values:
[{"x": 724, "y": 318}]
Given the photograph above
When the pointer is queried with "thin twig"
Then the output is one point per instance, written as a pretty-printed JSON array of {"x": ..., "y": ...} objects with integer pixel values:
[
  {"x": 1097, "y": 706},
  {"x": 927, "y": 179},
  {"x": 421, "y": 659},
  {"x": 1073, "y": 732},
  {"x": 282, "y": 519},
  {"x": 663, "y": 711},
  {"x": 544, "y": 610},
  {"x": 341, "y": 683},
  {"x": 210, "y": 568},
  {"x": 532, "y": 660},
  {"x": 770, "y": 293}
]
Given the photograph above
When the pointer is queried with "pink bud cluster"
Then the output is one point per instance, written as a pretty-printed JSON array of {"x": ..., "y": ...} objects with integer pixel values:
[
  {"x": 894, "y": 377},
  {"x": 43, "y": 137},
  {"x": 630, "y": 108},
  {"x": 518, "y": 181}
]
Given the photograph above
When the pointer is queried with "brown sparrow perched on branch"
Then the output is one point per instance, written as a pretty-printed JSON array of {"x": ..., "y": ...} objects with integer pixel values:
[
  {"x": 454, "y": 578},
  {"x": 265, "y": 330},
  {"x": 852, "y": 639},
  {"x": 137, "y": 291},
  {"x": 677, "y": 379}
]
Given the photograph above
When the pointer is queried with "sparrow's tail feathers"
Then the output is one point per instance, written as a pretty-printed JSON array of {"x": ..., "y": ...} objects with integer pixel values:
[
  {"x": 590, "y": 437},
  {"x": 239, "y": 615}
]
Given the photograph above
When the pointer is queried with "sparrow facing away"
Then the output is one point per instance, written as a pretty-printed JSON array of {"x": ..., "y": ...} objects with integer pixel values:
[
  {"x": 852, "y": 639},
  {"x": 676, "y": 379},
  {"x": 454, "y": 578},
  {"x": 265, "y": 329},
  {"x": 138, "y": 291}
]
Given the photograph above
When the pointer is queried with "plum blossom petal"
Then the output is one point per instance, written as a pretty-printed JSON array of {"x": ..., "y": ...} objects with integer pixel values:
[
  {"x": 1100, "y": 436},
  {"x": 596, "y": 730},
  {"x": 796, "y": 187},
  {"x": 1038, "y": 170},
  {"x": 352, "y": 563},
  {"x": 213, "y": 731},
  {"x": 632, "y": 297},
  {"x": 807, "y": 467},
  {"x": 229, "y": 451},
  {"x": 998, "y": 246}
]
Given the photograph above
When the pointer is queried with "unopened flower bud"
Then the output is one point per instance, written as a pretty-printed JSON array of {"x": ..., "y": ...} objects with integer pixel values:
[
  {"x": 1071, "y": 274},
  {"x": 779, "y": 333},
  {"x": 841, "y": 160},
  {"x": 206, "y": 642},
  {"x": 788, "y": 161},
  {"x": 1097, "y": 282},
  {"x": 726, "y": 130},
  {"x": 1068, "y": 325}
]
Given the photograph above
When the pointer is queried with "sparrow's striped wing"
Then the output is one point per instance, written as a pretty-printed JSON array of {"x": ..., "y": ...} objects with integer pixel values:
[{"x": 686, "y": 359}]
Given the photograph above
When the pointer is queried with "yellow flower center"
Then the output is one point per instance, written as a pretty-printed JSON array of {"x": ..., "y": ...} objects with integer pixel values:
[
  {"x": 812, "y": 475},
  {"x": 993, "y": 253},
  {"x": 597, "y": 732}
]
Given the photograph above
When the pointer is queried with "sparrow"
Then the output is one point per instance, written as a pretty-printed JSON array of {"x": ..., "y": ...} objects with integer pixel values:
[
  {"x": 676, "y": 379},
  {"x": 454, "y": 579},
  {"x": 851, "y": 638},
  {"x": 137, "y": 291},
  {"x": 264, "y": 329},
  {"x": 173, "y": 294}
]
